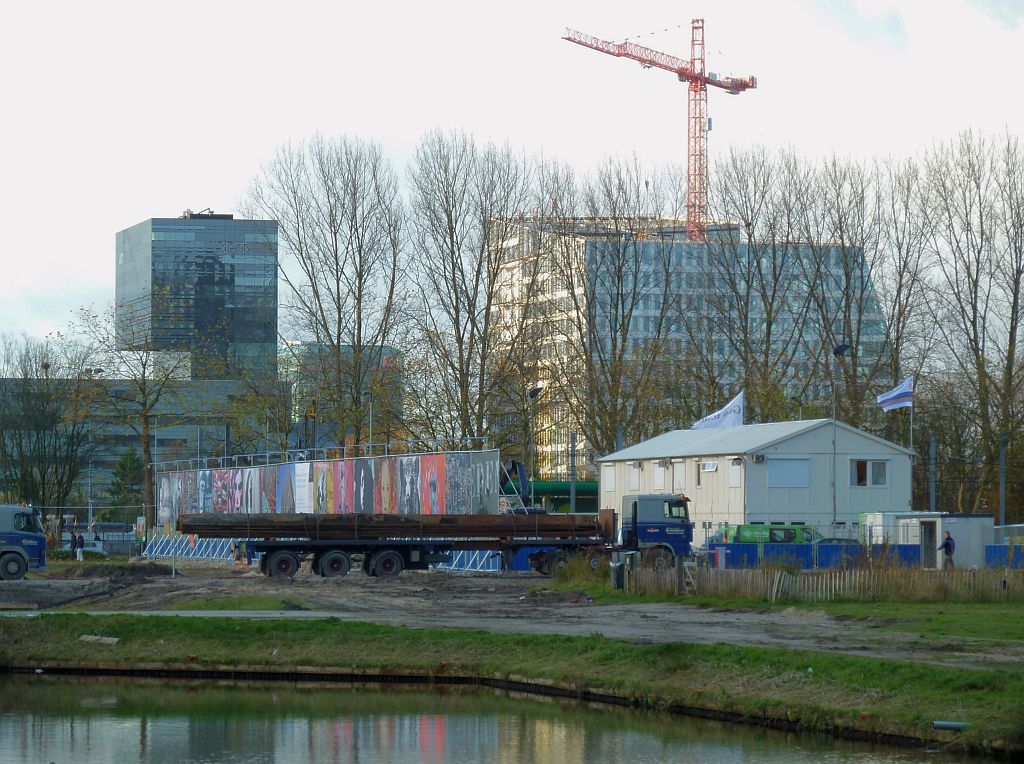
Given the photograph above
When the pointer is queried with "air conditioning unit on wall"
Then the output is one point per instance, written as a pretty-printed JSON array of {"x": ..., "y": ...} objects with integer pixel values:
[{"x": 758, "y": 458}]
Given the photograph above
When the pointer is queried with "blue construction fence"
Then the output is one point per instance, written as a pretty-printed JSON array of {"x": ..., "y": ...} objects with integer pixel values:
[
  {"x": 1004, "y": 556},
  {"x": 812, "y": 556},
  {"x": 808, "y": 556}
]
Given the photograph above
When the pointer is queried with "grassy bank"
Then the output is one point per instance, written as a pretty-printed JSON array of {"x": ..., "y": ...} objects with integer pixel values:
[{"x": 822, "y": 691}]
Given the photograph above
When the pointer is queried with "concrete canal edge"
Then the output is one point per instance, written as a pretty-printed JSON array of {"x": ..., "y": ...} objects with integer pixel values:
[{"x": 525, "y": 685}]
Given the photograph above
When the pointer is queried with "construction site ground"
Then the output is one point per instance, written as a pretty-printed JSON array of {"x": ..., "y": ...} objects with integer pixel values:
[{"x": 510, "y": 602}]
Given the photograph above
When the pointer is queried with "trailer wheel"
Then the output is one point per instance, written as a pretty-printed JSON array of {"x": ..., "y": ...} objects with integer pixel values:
[
  {"x": 283, "y": 563},
  {"x": 12, "y": 567},
  {"x": 334, "y": 564},
  {"x": 367, "y": 570},
  {"x": 657, "y": 557},
  {"x": 557, "y": 561},
  {"x": 387, "y": 562},
  {"x": 594, "y": 560}
]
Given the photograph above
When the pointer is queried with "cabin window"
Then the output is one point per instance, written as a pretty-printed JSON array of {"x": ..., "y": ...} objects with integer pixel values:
[
  {"x": 659, "y": 476},
  {"x": 678, "y": 477},
  {"x": 864, "y": 472},
  {"x": 608, "y": 477},
  {"x": 789, "y": 473},
  {"x": 735, "y": 473}
]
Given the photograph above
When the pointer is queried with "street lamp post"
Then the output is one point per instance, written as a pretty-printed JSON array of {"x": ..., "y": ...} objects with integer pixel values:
[
  {"x": 531, "y": 447},
  {"x": 369, "y": 395},
  {"x": 838, "y": 351},
  {"x": 90, "y": 494}
]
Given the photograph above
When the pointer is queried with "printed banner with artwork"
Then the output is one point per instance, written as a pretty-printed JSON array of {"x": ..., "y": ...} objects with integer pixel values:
[{"x": 453, "y": 483}]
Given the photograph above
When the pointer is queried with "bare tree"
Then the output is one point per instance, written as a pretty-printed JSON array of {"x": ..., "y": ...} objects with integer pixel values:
[
  {"x": 341, "y": 231},
  {"x": 141, "y": 385},
  {"x": 46, "y": 427},
  {"x": 842, "y": 220},
  {"x": 899, "y": 277},
  {"x": 608, "y": 298},
  {"x": 758, "y": 298},
  {"x": 466, "y": 201},
  {"x": 976, "y": 213}
]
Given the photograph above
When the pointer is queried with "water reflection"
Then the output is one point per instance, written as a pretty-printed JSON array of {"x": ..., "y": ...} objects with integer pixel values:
[{"x": 50, "y": 719}]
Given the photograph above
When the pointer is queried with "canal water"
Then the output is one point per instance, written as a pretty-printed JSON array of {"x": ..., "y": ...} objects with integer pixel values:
[{"x": 107, "y": 721}]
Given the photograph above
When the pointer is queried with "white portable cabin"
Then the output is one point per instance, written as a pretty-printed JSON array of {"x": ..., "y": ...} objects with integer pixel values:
[
  {"x": 775, "y": 473},
  {"x": 970, "y": 532}
]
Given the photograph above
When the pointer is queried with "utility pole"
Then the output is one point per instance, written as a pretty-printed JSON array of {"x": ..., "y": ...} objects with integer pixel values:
[
  {"x": 838, "y": 351},
  {"x": 1002, "y": 478}
]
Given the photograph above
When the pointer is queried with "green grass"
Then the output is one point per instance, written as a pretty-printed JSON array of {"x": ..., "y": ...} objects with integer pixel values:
[
  {"x": 997, "y": 622},
  {"x": 822, "y": 690},
  {"x": 250, "y": 602}
]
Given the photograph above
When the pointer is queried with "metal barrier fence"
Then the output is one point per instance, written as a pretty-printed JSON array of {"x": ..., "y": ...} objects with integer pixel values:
[
  {"x": 890, "y": 584},
  {"x": 476, "y": 561},
  {"x": 185, "y": 547}
]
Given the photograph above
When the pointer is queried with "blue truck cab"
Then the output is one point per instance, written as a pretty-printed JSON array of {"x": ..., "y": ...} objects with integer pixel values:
[
  {"x": 665, "y": 531},
  {"x": 22, "y": 542}
]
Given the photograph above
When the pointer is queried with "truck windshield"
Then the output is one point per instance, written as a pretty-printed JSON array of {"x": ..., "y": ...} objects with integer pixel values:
[
  {"x": 27, "y": 523},
  {"x": 676, "y": 510}
]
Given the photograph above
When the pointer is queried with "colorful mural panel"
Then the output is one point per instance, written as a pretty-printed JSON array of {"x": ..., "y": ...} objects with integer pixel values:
[
  {"x": 432, "y": 484},
  {"x": 268, "y": 487},
  {"x": 384, "y": 498},
  {"x": 458, "y": 483},
  {"x": 408, "y": 485},
  {"x": 303, "y": 487},
  {"x": 343, "y": 475},
  {"x": 204, "y": 483},
  {"x": 439, "y": 483},
  {"x": 286, "y": 487}
]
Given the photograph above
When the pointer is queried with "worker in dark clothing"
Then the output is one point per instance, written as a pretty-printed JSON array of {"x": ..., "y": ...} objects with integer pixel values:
[{"x": 947, "y": 548}]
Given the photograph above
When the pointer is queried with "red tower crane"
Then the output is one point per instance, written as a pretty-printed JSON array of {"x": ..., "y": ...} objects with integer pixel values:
[{"x": 691, "y": 72}]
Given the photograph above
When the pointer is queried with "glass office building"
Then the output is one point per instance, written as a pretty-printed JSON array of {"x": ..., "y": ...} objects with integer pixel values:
[
  {"x": 592, "y": 285},
  {"x": 205, "y": 284}
]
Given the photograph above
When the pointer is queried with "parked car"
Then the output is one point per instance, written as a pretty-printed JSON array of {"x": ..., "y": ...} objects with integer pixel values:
[
  {"x": 837, "y": 540},
  {"x": 91, "y": 545}
]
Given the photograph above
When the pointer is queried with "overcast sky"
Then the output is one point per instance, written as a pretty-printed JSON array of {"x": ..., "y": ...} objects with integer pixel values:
[{"x": 115, "y": 112}]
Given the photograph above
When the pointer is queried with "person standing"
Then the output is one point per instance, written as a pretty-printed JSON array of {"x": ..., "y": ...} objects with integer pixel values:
[
  {"x": 73, "y": 545},
  {"x": 947, "y": 547}
]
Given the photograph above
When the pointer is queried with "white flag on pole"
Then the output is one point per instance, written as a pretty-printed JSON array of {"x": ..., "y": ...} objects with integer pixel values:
[
  {"x": 899, "y": 397},
  {"x": 731, "y": 415}
]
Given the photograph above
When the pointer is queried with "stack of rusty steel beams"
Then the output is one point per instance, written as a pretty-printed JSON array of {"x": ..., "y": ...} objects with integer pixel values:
[{"x": 365, "y": 526}]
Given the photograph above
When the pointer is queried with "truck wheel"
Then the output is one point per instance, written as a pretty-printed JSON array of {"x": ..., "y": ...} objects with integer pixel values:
[
  {"x": 283, "y": 564},
  {"x": 335, "y": 564},
  {"x": 12, "y": 567},
  {"x": 367, "y": 570},
  {"x": 657, "y": 557},
  {"x": 387, "y": 562},
  {"x": 557, "y": 561}
]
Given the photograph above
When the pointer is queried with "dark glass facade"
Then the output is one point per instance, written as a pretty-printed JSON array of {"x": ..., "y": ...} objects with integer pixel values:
[{"x": 204, "y": 284}]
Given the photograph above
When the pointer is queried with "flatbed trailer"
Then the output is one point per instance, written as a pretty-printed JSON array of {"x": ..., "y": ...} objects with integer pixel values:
[{"x": 389, "y": 544}]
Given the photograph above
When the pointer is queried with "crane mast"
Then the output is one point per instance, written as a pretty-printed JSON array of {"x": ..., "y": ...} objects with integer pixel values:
[{"x": 693, "y": 73}]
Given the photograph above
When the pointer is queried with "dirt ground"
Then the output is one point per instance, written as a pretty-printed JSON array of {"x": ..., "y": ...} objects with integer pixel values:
[{"x": 518, "y": 603}]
